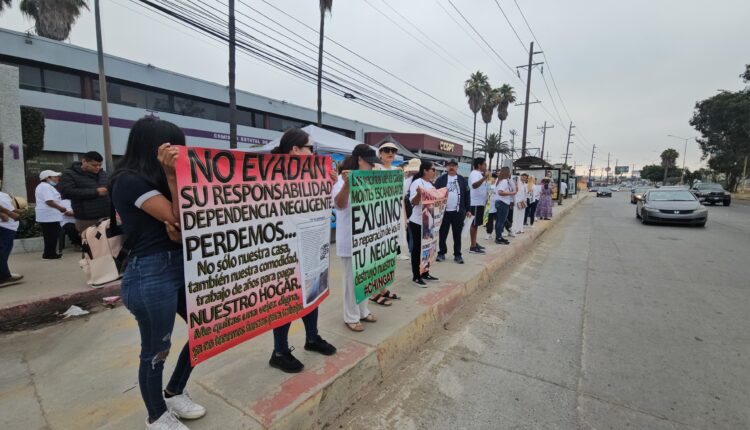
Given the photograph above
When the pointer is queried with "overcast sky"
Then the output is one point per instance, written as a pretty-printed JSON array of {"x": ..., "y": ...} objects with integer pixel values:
[{"x": 629, "y": 72}]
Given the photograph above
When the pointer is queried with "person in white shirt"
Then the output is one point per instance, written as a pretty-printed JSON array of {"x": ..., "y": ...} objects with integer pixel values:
[
  {"x": 410, "y": 169},
  {"x": 535, "y": 191},
  {"x": 387, "y": 154},
  {"x": 490, "y": 227},
  {"x": 505, "y": 192},
  {"x": 68, "y": 227},
  {"x": 563, "y": 191},
  {"x": 477, "y": 200},
  {"x": 519, "y": 211},
  {"x": 49, "y": 212},
  {"x": 362, "y": 158},
  {"x": 422, "y": 181},
  {"x": 8, "y": 228},
  {"x": 456, "y": 210}
]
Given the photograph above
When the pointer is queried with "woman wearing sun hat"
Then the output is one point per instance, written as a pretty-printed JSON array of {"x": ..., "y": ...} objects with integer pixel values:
[{"x": 49, "y": 212}]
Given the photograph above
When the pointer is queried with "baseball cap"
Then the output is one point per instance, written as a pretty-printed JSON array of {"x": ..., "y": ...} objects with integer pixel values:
[
  {"x": 388, "y": 145},
  {"x": 47, "y": 174},
  {"x": 366, "y": 153},
  {"x": 452, "y": 161}
]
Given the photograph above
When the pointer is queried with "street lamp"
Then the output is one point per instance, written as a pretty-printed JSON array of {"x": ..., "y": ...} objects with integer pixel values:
[{"x": 684, "y": 155}]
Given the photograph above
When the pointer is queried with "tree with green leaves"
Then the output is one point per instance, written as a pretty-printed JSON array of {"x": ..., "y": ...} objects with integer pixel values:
[
  {"x": 507, "y": 96},
  {"x": 325, "y": 7},
  {"x": 53, "y": 19},
  {"x": 475, "y": 89},
  {"x": 492, "y": 146},
  {"x": 724, "y": 123},
  {"x": 491, "y": 101}
]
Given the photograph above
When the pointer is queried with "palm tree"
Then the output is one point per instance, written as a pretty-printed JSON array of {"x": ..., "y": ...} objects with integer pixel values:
[
  {"x": 53, "y": 19},
  {"x": 475, "y": 89},
  {"x": 4, "y": 3},
  {"x": 492, "y": 146},
  {"x": 506, "y": 97},
  {"x": 491, "y": 101},
  {"x": 325, "y": 6}
]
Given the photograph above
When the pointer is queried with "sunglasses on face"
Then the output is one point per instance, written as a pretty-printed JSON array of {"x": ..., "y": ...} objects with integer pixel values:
[{"x": 389, "y": 150}]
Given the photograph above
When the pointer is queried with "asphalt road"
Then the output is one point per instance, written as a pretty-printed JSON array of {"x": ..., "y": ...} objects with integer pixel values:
[{"x": 605, "y": 324}]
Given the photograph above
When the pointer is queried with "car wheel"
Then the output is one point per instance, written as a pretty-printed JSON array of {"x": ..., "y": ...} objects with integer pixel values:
[
  {"x": 703, "y": 224},
  {"x": 637, "y": 215},
  {"x": 727, "y": 202},
  {"x": 644, "y": 221}
]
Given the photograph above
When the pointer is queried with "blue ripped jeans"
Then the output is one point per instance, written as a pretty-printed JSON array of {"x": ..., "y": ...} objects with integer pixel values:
[{"x": 153, "y": 290}]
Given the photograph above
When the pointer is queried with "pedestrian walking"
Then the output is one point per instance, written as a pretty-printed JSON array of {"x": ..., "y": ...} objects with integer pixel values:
[
  {"x": 144, "y": 193},
  {"x": 422, "y": 181},
  {"x": 505, "y": 192},
  {"x": 534, "y": 193},
  {"x": 8, "y": 227},
  {"x": 544, "y": 208},
  {"x": 297, "y": 142},
  {"x": 363, "y": 158},
  {"x": 49, "y": 212},
  {"x": 456, "y": 210},
  {"x": 84, "y": 183},
  {"x": 478, "y": 199},
  {"x": 387, "y": 155}
]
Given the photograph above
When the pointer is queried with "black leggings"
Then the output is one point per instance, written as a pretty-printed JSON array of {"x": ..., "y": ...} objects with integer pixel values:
[
  {"x": 416, "y": 249},
  {"x": 51, "y": 232}
]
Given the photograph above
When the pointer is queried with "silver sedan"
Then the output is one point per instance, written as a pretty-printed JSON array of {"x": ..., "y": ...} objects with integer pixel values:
[{"x": 671, "y": 206}]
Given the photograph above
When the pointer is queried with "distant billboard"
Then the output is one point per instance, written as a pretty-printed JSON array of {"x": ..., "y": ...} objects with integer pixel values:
[{"x": 619, "y": 170}]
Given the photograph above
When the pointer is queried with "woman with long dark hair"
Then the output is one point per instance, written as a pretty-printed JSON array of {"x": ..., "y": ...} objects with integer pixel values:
[
  {"x": 297, "y": 142},
  {"x": 363, "y": 158},
  {"x": 144, "y": 193},
  {"x": 422, "y": 181}
]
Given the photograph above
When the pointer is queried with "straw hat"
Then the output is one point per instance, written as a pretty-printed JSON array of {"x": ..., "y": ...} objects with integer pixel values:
[{"x": 20, "y": 203}]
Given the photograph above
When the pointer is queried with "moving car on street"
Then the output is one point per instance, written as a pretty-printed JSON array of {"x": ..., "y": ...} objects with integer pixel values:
[
  {"x": 671, "y": 206},
  {"x": 603, "y": 192},
  {"x": 637, "y": 194},
  {"x": 711, "y": 193}
]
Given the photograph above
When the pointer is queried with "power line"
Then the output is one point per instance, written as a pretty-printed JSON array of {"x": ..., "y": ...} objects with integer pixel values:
[
  {"x": 291, "y": 65},
  {"x": 523, "y": 45}
]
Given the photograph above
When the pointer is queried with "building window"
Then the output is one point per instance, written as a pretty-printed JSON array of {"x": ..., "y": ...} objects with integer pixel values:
[
  {"x": 30, "y": 78},
  {"x": 158, "y": 101},
  {"x": 62, "y": 83},
  {"x": 125, "y": 95},
  {"x": 194, "y": 108},
  {"x": 283, "y": 124}
]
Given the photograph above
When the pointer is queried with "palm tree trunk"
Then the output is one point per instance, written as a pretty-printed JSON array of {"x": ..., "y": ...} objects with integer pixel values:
[
  {"x": 486, "y": 128},
  {"x": 473, "y": 138},
  {"x": 232, "y": 79},
  {"x": 497, "y": 166},
  {"x": 320, "y": 66}
]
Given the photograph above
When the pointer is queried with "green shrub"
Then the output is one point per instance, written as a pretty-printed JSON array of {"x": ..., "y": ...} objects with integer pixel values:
[
  {"x": 32, "y": 130},
  {"x": 29, "y": 227}
]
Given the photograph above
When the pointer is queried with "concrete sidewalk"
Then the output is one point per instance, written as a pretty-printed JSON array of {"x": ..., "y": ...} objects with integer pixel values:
[{"x": 83, "y": 374}]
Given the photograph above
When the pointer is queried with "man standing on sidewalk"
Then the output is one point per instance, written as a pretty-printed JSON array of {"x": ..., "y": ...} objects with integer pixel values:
[
  {"x": 85, "y": 184},
  {"x": 456, "y": 210},
  {"x": 478, "y": 198}
]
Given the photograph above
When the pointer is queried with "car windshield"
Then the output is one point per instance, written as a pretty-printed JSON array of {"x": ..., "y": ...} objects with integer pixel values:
[
  {"x": 714, "y": 187},
  {"x": 671, "y": 196}
]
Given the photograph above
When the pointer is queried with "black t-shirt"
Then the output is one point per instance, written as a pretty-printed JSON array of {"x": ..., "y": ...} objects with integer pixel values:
[{"x": 148, "y": 234}]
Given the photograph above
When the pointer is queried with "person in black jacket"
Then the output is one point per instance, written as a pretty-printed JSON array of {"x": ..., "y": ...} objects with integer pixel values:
[
  {"x": 85, "y": 184},
  {"x": 456, "y": 210}
]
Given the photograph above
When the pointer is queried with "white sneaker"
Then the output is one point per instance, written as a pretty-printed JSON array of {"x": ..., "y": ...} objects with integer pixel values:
[
  {"x": 184, "y": 407},
  {"x": 489, "y": 237},
  {"x": 510, "y": 235},
  {"x": 403, "y": 257},
  {"x": 167, "y": 421}
]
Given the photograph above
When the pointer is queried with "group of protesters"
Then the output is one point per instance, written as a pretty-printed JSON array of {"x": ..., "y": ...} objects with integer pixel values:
[{"x": 143, "y": 190}]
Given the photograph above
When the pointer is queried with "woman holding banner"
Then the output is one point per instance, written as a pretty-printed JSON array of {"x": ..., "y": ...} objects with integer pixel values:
[
  {"x": 362, "y": 158},
  {"x": 297, "y": 142},
  {"x": 422, "y": 181},
  {"x": 144, "y": 193}
]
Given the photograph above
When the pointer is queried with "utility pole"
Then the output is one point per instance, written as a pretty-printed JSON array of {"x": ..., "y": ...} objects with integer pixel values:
[
  {"x": 591, "y": 165},
  {"x": 608, "y": 169},
  {"x": 617, "y": 161},
  {"x": 232, "y": 78},
  {"x": 528, "y": 93},
  {"x": 103, "y": 90},
  {"x": 544, "y": 133},
  {"x": 565, "y": 163},
  {"x": 512, "y": 145}
]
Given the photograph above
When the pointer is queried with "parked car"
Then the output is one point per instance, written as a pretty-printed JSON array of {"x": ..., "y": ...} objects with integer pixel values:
[
  {"x": 711, "y": 193},
  {"x": 671, "y": 206},
  {"x": 637, "y": 193},
  {"x": 603, "y": 192}
]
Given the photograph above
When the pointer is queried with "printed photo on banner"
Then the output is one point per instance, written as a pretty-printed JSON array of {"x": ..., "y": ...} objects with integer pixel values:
[
  {"x": 433, "y": 209},
  {"x": 256, "y": 237},
  {"x": 375, "y": 197}
]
